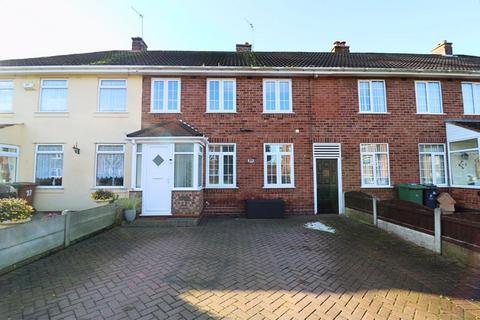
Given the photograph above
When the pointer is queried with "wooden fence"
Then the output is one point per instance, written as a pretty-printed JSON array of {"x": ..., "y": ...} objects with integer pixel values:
[
  {"x": 359, "y": 201},
  {"x": 407, "y": 214}
]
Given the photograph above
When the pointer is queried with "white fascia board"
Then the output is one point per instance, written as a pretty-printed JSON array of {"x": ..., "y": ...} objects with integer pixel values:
[
  {"x": 236, "y": 71},
  {"x": 202, "y": 140}
]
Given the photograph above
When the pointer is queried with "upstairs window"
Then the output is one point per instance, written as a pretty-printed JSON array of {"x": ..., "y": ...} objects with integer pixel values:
[
  {"x": 112, "y": 96},
  {"x": 429, "y": 97},
  {"x": 278, "y": 165},
  {"x": 432, "y": 164},
  {"x": 375, "y": 165},
  {"x": 110, "y": 165},
  {"x": 277, "y": 96},
  {"x": 372, "y": 96},
  {"x": 165, "y": 95},
  {"x": 221, "y": 95},
  {"x": 6, "y": 95},
  {"x": 471, "y": 97},
  {"x": 53, "y": 95},
  {"x": 49, "y": 165},
  {"x": 221, "y": 169}
]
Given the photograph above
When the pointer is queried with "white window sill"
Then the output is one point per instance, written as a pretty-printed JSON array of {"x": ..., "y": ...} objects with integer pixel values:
[
  {"x": 109, "y": 187},
  {"x": 221, "y": 112},
  {"x": 45, "y": 189},
  {"x": 165, "y": 112},
  {"x": 430, "y": 114},
  {"x": 471, "y": 114},
  {"x": 278, "y": 112},
  {"x": 187, "y": 189},
  {"x": 377, "y": 187},
  {"x": 51, "y": 114},
  {"x": 279, "y": 187},
  {"x": 109, "y": 114},
  {"x": 463, "y": 187},
  {"x": 221, "y": 187},
  {"x": 6, "y": 113},
  {"x": 364, "y": 112}
]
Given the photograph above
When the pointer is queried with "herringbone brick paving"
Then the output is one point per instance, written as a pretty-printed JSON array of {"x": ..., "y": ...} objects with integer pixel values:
[{"x": 241, "y": 269}]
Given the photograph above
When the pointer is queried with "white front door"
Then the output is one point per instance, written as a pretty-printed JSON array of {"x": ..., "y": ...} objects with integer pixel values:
[{"x": 157, "y": 175}]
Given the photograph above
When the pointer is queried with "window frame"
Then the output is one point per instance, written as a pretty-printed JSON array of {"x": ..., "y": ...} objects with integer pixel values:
[
  {"x": 277, "y": 96},
  {"x": 195, "y": 153},
  {"x": 426, "y": 96},
  {"x": 220, "y": 170},
  {"x": 12, "y": 89},
  {"x": 221, "y": 95},
  {"x": 444, "y": 153},
  {"x": 100, "y": 87},
  {"x": 165, "y": 95},
  {"x": 41, "y": 95},
  {"x": 109, "y": 152},
  {"x": 375, "y": 185},
  {"x": 279, "y": 185},
  {"x": 369, "y": 81},
  {"x": 49, "y": 152},
  {"x": 15, "y": 154},
  {"x": 475, "y": 107},
  {"x": 449, "y": 154},
  {"x": 133, "y": 178}
]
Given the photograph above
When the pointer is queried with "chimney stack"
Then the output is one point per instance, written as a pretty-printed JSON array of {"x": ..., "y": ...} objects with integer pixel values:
[
  {"x": 138, "y": 45},
  {"x": 244, "y": 47},
  {"x": 444, "y": 48},
  {"x": 340, "y": 47}
]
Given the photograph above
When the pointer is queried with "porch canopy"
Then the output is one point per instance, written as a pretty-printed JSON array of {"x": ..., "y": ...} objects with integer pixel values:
[
  {"x": 168, "y": 128},
  {"x": 463, "y": 138}
]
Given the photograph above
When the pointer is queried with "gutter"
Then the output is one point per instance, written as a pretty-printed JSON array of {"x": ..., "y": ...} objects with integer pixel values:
[{"x": 237, "y": 71}]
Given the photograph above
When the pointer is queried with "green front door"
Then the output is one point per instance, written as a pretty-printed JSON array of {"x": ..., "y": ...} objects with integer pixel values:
[{"x": 327, "y": 185}]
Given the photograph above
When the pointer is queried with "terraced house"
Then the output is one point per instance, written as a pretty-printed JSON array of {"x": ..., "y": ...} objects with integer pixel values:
[{"x": 200, "y": 132}]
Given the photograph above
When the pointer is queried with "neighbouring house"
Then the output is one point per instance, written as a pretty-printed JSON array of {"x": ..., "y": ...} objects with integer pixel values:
[{"x": 204, "y": 131}]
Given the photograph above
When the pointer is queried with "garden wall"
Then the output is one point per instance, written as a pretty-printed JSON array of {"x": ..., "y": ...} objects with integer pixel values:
[{"x": 29, "y": 241}]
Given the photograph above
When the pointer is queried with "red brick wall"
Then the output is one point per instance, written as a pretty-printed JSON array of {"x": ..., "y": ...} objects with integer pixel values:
[{"x": 325, "y": 110}]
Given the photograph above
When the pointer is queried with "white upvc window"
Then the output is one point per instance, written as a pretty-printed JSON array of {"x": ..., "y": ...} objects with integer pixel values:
[
  {"x": 137, "y": 178},
  {"x": 221, "y": 165},
  {"x": 8, "y": 163},
  {"x": 464, "y": 162},
  {"x": 471, "y": 97},
  {"x": 371, "y": 96},
  {"x": 112, "y": 96},
  {"x": 429, "y": 97},
  {"x": 6, "y": 95},
  {"x": 165, "y": 95},
  {"x": 375, "y": 165},
  {"x": 188, "y": 166},
  {"x": 278, "y": 165},
  {"x": 277, "y": 96},
  {"x": 221, "y": 95},
  {"x": 109, "y": 168},
  {"x": 433, "y": 169},
  {"x": 53, "y": 95},
  {"x": 49, "y": 165}
]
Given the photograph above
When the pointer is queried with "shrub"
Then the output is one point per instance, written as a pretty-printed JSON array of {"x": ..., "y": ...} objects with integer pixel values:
[
  {"x": 103, "y": 195},
  {"x": 128, "y": 203},
  {"x": 14, "y": 209}
]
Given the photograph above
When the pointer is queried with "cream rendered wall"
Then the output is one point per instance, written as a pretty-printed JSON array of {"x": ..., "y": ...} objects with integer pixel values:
[{"x": 82, "y": 123}]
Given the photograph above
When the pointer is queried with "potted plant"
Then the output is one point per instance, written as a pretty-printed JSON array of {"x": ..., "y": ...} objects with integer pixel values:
[
  {"x": 105, "y": 196},
  {"x": 14, "y": 210},
  {"x": 129, "y": 206}
]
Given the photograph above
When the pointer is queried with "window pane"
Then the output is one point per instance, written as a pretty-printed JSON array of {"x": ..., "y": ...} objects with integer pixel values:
[
  {"x": 49, "y": 169},
  {"x": 52, "y": 99},
  {"x": 138, "y": 171},
  {"x": 172, "y": 95},
  {"x": 271, "y": 169},
  {"x": 50, "y": 148},
  {"x": 381, "y": 169},
  {"x": 113, "y": 83},
  {"x": 228, "y": 103},
  {"x": 8, "y": 169},
  {"x": 110, "y": 169},
  {"x": 183, "y": 177},
  {"x": 158, "y": 94},
  {"x": 463, "y": 145},
  {"x": 285, "y": 170},
  {"x": 214, "y": 166},
  {"x": 364, "y": 96},
  {"x": 6, "y": 95},
  {"x": 434, "y": 99},
  {"x": 476, "y": 98},
  {"x": 378, "y": 94},
  {"x": 270, "y": 94},
  {"x": 214, "y": 147},
  {"x": 139, "y": 147},
  {"x": 113, "y": 100},
  {"x": 110, "y": 148},
  {"x": 367, "y": 170},
  {"x": 228, "y": 169},
  {"x": 426, "y": 175},
  {"x": 214, "y": 95},
  {"x": 183, "y": 147},
  {"x": 54, "y": 83},
  {"x": 439, "y": 162},
  {"x": 467, "y": 92},
  {"x": 200, "y": 170},
  {"x": 421, "y": 91},
  {"x": 284, "y": 95},
  {"x": 465, "y": 167}
]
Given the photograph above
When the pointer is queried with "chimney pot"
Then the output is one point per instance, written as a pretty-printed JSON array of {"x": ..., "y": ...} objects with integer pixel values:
[
  {"x": 444, "y": 48},
  {"x": 138, "y": 45},
  {"x": 340, "y": 47},
  {"x": 244, "y": 47}
]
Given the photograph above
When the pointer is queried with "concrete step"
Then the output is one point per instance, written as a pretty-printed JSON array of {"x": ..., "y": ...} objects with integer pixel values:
[{"x": 159, "y": 222}]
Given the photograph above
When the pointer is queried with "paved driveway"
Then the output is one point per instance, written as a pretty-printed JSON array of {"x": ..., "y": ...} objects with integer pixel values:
[{"x": 238, "y": 269}]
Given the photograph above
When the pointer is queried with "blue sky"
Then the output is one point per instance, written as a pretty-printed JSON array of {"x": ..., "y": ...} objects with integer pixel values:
[{"x": 48, "y": 27}]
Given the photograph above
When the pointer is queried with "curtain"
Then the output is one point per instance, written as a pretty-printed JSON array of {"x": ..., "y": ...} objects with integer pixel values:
[
  {"x": 183, "y": 177},
  {"x": 110, "y": 169},
  {"x": 53, "y": 99},
  {"x": 8, "y": 169}
]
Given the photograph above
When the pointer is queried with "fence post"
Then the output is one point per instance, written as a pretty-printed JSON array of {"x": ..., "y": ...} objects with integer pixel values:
[
  {"x": 66, "y": 240},
  {"x": 438, "y": 230},
  {"x": 374, "y": 205}
]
